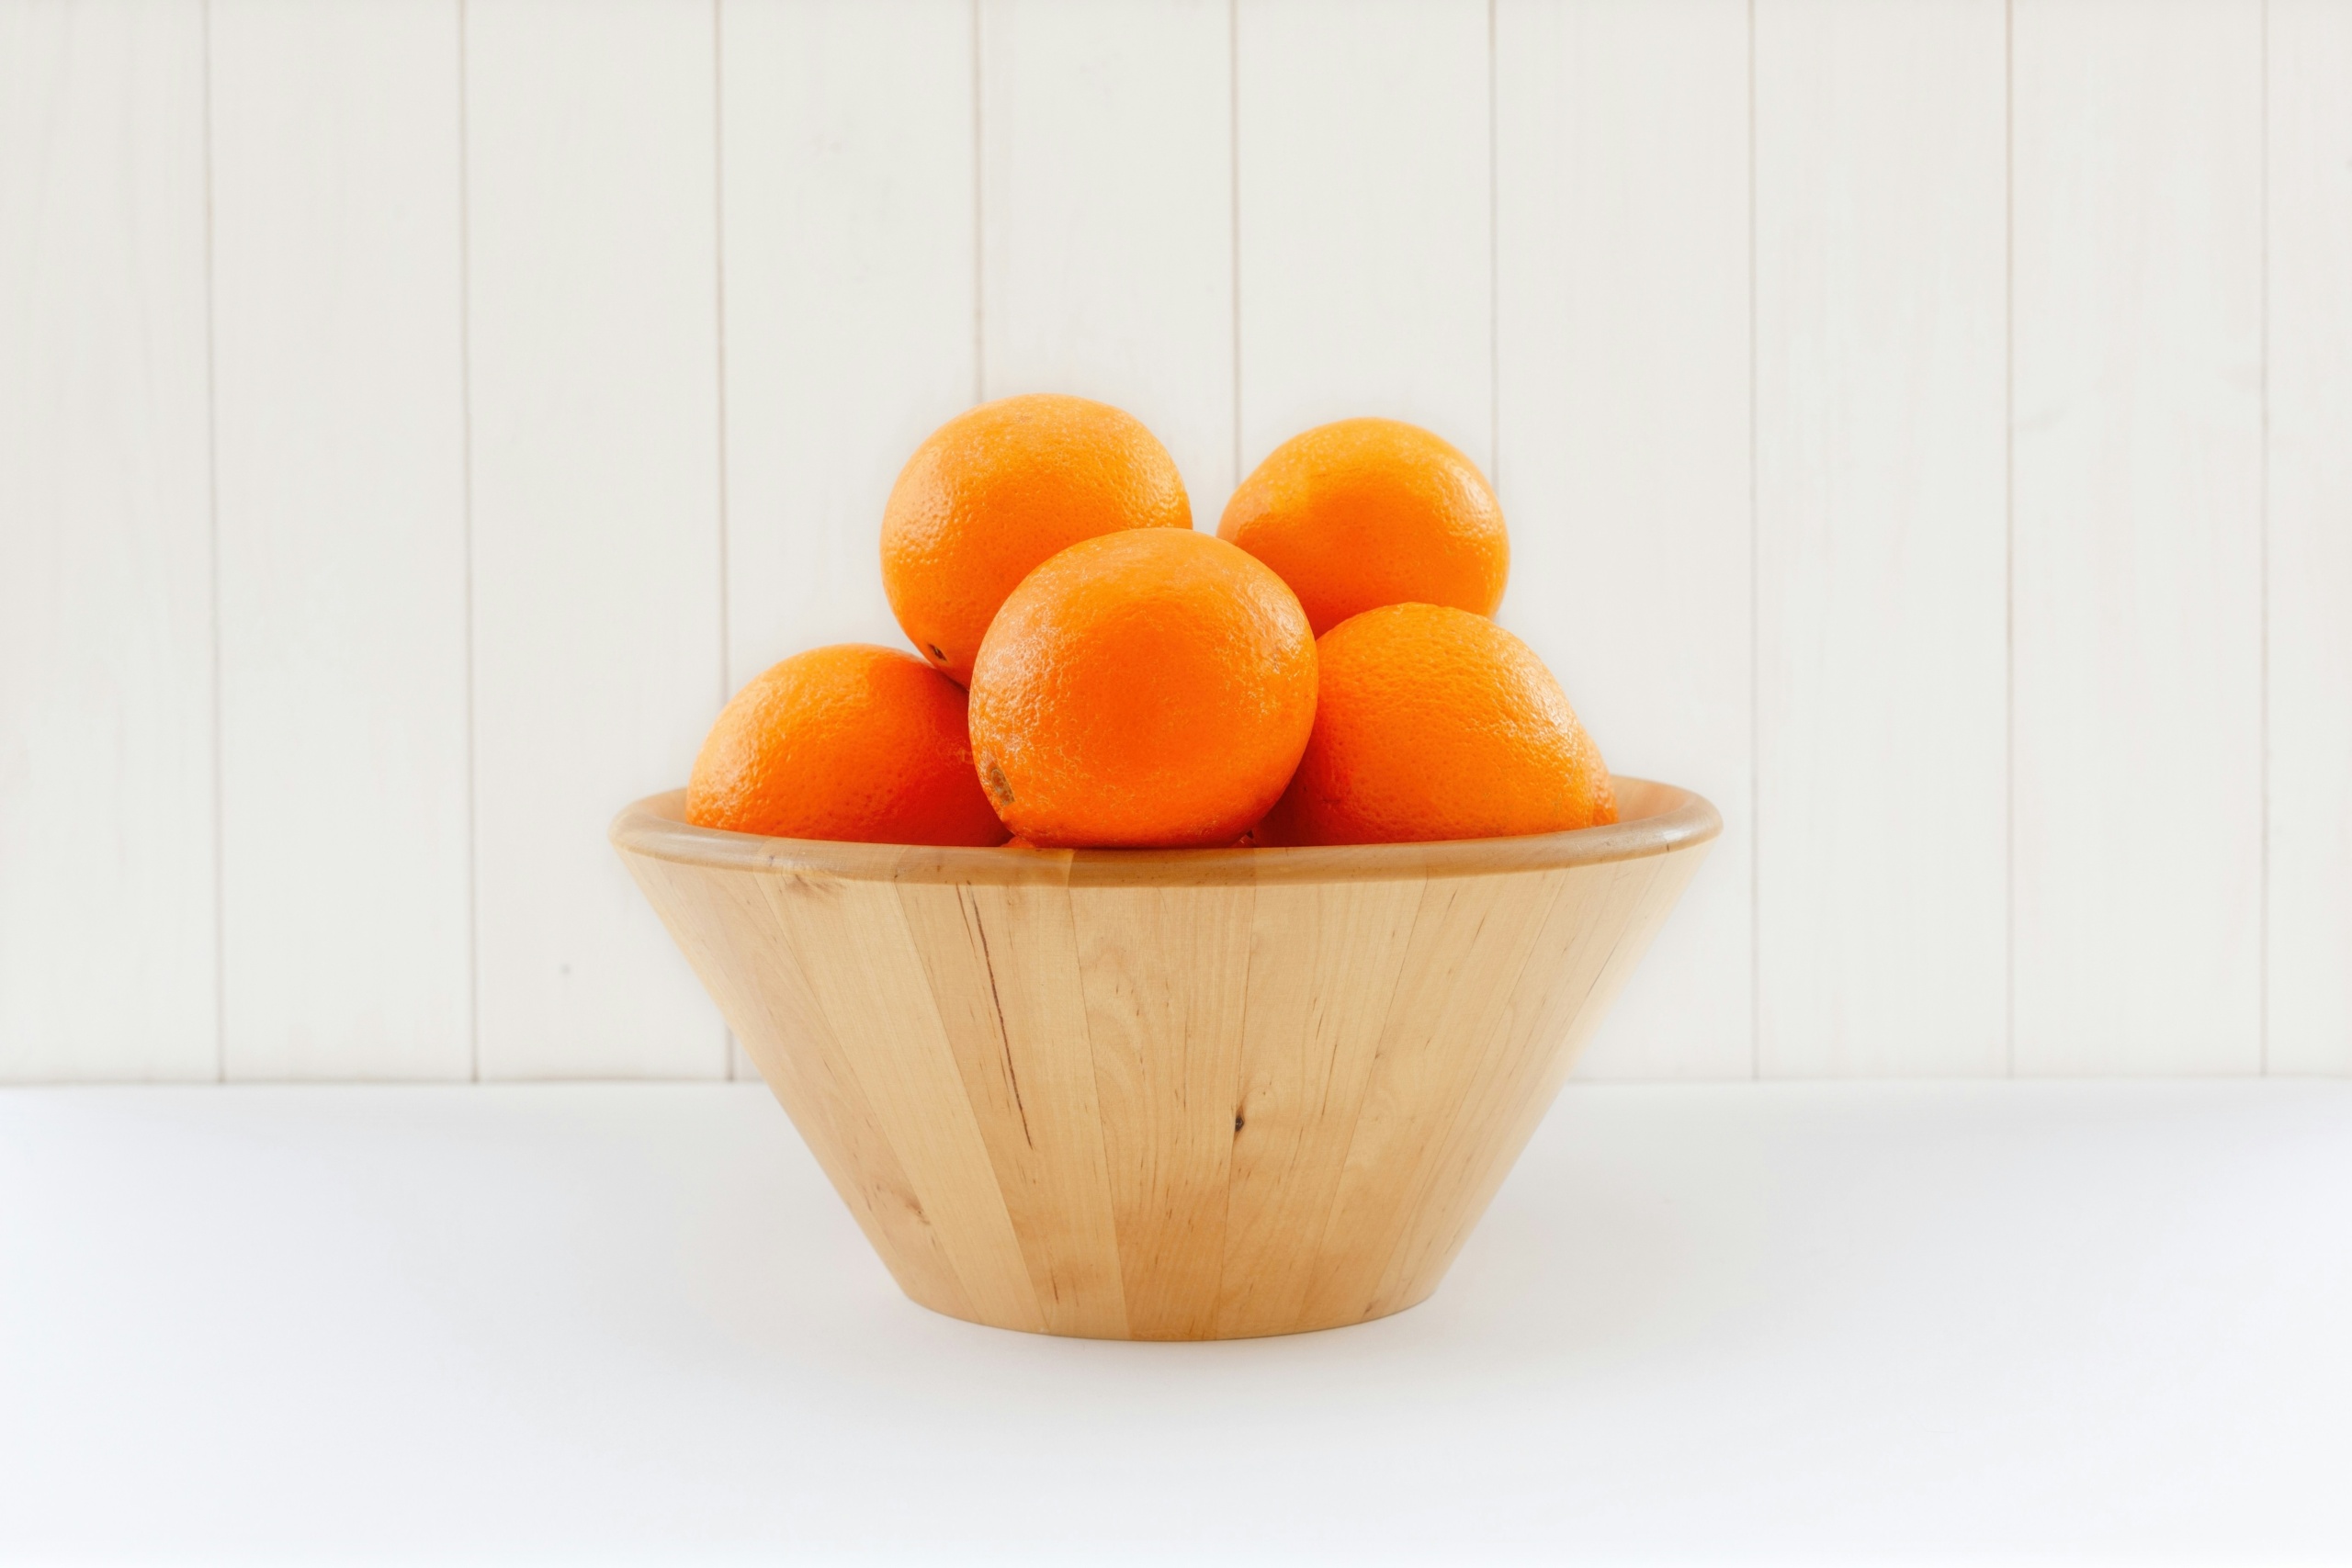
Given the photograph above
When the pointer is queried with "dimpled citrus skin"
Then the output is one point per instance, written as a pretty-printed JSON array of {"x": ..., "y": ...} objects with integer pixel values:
[
  {"x": 1146, "y": 689},
  {"x": 998, "y": 488},
  {"x": 851, "y": 741},
  {"x": 1434, "y": 723},
  {"x": 1373, "y": 512}
]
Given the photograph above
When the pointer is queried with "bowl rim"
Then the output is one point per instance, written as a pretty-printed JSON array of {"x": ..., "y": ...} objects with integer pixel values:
[{"x": 1671, "y": 819}]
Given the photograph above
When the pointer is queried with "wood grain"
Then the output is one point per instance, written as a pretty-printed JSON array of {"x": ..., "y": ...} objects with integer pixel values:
[
  {"x": 1326, "y": 958},
  {"x": 1566, "y": 1011},
  {"x": 108, "y": 942},
  {"x": 736, "y": 954},
  {"x": 2138, "y": 537},
  {"x": 1182, "y": 1095},
  {"x": 1003, "y": 964},
  {"x": 2308, "y": 378},
  {"x": 340, "y": 414},
  {"x": 1882, "y": 538},
  {"x": 866, "y": 974},
  {"x": 1472, "y": 937},
  {"x": 1622, "y": 444},
  {"x": 1163, "y": 972}
]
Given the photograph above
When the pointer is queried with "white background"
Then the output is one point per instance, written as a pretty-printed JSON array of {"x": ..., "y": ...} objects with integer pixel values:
[{"x": 1926, "y": 429}]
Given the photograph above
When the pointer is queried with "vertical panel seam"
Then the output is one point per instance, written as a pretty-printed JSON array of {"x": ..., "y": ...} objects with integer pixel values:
[
  {"x": 719, "y": 359},
  {"x": 979, "y": 236},
  {"x": 212, "y": 583},
  {"x": 2009, "y": 543},
  {"x": 1232, "y": 149},
  {"x": 718, "y": 324},
  {"x": 1755, "y": 624},
  {"x": 2262, "y": 917},
  {"x": 1494, "y": 271},
  {"x": 466, "y": 448}
]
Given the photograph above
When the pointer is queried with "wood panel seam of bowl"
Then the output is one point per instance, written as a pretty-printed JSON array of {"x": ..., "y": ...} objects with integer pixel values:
[{"x": 1168, "y": 1095}]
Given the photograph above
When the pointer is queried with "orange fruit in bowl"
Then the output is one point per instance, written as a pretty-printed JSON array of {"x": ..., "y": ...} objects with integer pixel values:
[
  {"x": 1150, "y": 688},
  {"x": 994, "y": 491},
  {"x": 1373, "y": 512},
  {"x": 1433, "y": 723},
  {"x": 851, "y": 741}
]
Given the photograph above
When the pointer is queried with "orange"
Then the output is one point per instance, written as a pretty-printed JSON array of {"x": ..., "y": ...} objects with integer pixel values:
[
  {"x": 851, "y": 741},
  {"x": 1152, "y": 687},
  {"x": 1373, "y": 512},
  {"x": 1434, "y": 723},
  {"x": 998, "y": 488}
]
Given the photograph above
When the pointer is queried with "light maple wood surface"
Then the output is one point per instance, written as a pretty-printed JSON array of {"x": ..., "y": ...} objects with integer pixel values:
[{"x": 1182, "y": 1095}]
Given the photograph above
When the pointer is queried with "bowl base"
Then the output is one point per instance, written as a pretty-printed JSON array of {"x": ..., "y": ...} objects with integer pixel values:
[{"x": 1203, "y": 1095}]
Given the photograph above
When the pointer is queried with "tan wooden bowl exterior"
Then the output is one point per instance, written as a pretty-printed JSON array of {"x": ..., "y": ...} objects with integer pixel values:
[{"x": 1195, "y": 1094}]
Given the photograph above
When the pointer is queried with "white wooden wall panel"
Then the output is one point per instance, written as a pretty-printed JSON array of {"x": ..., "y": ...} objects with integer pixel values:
[
  {"x": 591, "y": 207},
  {"x": 2138, "y": 373},
  {"x": 339, "y": 404},
  {"x": 415, "y": 418},
  {"x": 2310, "y": 456},
  {"x": 1106, "y": 216},
  {"x": 1363, "y": 134},
  {"x": 1880, "y": 450},
  {"x": 1622, "y": 229},
  {"x": 108, "y": 960}
]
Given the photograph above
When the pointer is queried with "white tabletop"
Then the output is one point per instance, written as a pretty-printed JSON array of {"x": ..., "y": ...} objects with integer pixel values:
[{"x": 1730, "y": 1324}]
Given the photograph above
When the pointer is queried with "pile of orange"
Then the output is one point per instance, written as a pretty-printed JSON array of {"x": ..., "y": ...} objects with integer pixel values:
[{"x": 1321, "y": 671}]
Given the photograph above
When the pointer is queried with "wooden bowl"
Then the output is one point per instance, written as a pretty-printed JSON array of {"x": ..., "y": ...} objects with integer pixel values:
[{"x": 1199, "y": 1094}]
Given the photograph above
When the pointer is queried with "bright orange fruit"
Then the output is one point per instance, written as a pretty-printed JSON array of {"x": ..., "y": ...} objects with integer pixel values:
[
  {"x": 1434, "y": 723},
  {"x": 1147, "y": 688},
  {"x": 1373, "y": 512},
  {"x": 851, "y": 741},
  {"x": 996, "y": 490}
]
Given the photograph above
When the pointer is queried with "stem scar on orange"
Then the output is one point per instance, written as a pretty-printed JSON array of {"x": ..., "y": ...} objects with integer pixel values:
[
  {"x": 1373, "y": 512},
  {"x": 1151, "y": 688},
  {"x": 1434, "y": 723},
  {"x": 851, "y": 741},
  {"x": 994, "y": 491}
]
